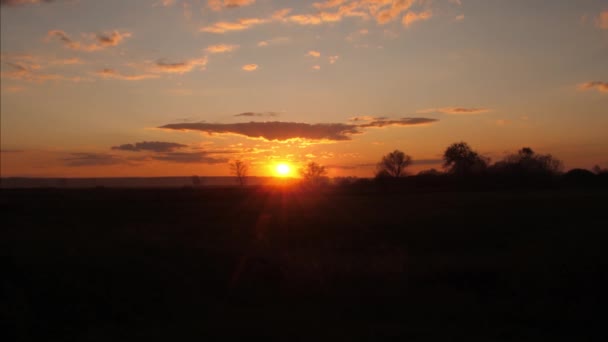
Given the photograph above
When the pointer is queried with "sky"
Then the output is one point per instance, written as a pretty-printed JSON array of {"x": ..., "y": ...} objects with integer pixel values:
[{"x": 144, "y": 88}]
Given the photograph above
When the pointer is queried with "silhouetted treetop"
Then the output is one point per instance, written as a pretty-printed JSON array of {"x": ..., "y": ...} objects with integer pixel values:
[
  {"x": 393, "y": 165},
  {"x": 526, "y": 161},
  {"x": 460, "y": 159}
]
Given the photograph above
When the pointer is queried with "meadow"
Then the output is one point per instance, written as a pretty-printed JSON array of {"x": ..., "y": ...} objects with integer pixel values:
[{"x": 282, "y": 264}]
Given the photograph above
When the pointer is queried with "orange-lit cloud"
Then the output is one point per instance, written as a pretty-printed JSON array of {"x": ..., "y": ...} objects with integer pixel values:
[
  {"x": 190, "y": 157},
  {"x": 218, "y": 5},
  {"x": 412, "y": 17},
  {"x": 239, "y": 25},
  {"x": 153, "y": 146},
  {"x": 602, "y": 20},
  {"x": 333, "y": 59},
  {"x": 250, "y": 67},
  {"x": 254, "y": 114},
  {"x": 221, "y": 48},
  {"x": 108, "y": 73},
  {"x": 598, "y": 85},
  {"x": 275, "y": 130},
  {"x": 396, "y": 8},
  {"x": 30, "y": 68},
  {"x": 274, "y": 41},
  {"x": 282, "y": 131},
  {"x": 383, "y": 122},
  {"x": 97, "y": 42},
  {"x": 313, "y": 53},
  {"x": 316, "y": 67},
  {"x": 162, "y": 66},
  {"x": 455, "y": 110}
]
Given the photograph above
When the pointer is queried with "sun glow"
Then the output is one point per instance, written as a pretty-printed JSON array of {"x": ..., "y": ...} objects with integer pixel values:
[{"x": 283, "y": 170}]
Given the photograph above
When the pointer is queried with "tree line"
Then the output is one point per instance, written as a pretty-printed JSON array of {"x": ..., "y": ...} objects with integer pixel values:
[{"x": 459, "y": 160}]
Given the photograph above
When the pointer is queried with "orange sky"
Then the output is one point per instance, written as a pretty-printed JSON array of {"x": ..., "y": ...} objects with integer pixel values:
[{"x": 182, "y": 87}]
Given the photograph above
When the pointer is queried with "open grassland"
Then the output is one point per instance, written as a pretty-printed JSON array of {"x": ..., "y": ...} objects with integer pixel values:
[{"x": 112, "y": 264}]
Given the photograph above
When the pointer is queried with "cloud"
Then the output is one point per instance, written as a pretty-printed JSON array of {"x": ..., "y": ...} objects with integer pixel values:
[
  {"x": 13, "y": 89},
  {"x": 30, "y": 68},
  {"x": 253, "y": 114},
  {"x": 313, "y": 53},
  {"x": 602, "y": 20},
  {"x": 459, "y": 17},
  {"x": 153, "y": 146},
  {"x": 97, "y": 42},
  {"x": 282, "y": 131},
  {"x": 455, "y": 110},
  {"x": 412, "y": 17},
  {"x": 92, "y": 159},
  {"x": 597, "y": 85},
  {"x": 333, "y": 59},
  {"x": 250, "y": 67},
  {"x": 316, "y": 67},
  {"x": 239, "y": 25},
  {"x": 273, "y": 131},
  {"x": 162, "y": 66},
  {"x": 221, "y": 48},
  {"x": 273, "y": 41},
  {"x": 383, "y": 122},
  {"x": 396, "y": 8},
  {"x": 218, "y": 5},
  {"x": 190, "y": 157},
  {"x": 22, "y": 2},
  {"x": 115, "y": 74}
]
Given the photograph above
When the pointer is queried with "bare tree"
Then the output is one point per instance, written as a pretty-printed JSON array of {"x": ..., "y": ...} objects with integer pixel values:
[
  {"x": 460, "y": 159},
  {"x": 240, "y": 169},
  {"x": 313, "y": 174},
  {"x": 393, "y": 165}
]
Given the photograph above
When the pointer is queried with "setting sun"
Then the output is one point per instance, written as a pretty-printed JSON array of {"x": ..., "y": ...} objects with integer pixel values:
[{"x": 283, "y": 170}]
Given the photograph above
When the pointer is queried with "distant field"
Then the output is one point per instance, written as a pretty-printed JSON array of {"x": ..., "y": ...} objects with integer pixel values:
[{"x": 119, "y": 264}]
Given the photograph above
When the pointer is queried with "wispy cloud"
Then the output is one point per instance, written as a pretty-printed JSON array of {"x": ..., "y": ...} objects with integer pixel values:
[
  {"x": 597, "y": 85},
  {"x": 384, "y": 122},
  {"x": 163, "y": 66},
  {"x": 258, "y": 114},
  {"x": 218, "y": 5},
  {"x": 221, "y": 48},
  {"x": 152, "y": 146},
  {"x": 313, "y": 53},
  {"x": 455, "y": 110},
  {"x": 95, "y": 42},
  {"x": 282, "y": 131},
  {"x": 92, "y": 159},
  {"x": 412, "y": 17},
  {"x": 31, "y": 68},
  {"x": 273, "y": 41},
  {"x": 333, "y": 59},
  {"x": 250, "y": 67},
  {"x": 108, "y": 73},
  {"x": 239, "y": 25},
  {"x": 190, "y": 157}
]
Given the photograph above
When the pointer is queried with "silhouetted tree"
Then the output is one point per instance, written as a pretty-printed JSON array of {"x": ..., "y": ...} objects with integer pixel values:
[
  {"x": 599, "y": 171},
  {"x": 240, "y": 169},
  {"x": 527, "y": 162},
  {"x": 196, "y": 180},
  {"x": 393, "y": 165},
  {"x": 460, "y": 159},
  {"x": 313, "y": 174}
]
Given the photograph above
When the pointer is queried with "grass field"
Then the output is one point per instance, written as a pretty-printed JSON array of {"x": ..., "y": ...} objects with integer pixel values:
[{"x": 186, "y": 264}]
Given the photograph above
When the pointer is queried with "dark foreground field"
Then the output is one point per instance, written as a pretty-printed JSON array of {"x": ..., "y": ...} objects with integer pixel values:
[{"x": 190, "y": 264}]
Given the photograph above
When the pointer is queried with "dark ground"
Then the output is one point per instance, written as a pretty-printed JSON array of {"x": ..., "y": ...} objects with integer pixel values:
[{"x": 185, "y": 264}]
